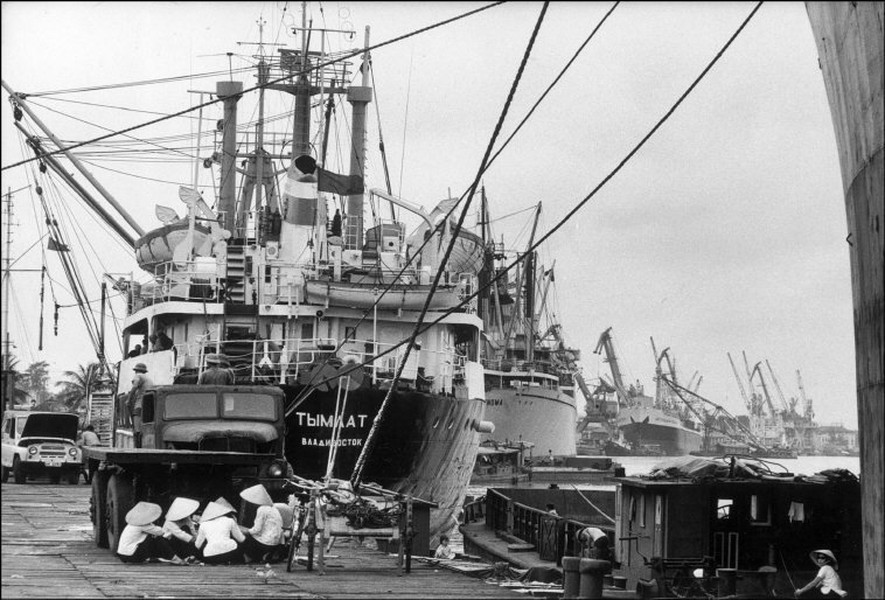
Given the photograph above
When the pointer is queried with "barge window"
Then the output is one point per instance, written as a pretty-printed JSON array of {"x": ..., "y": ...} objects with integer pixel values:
[
  {"x": 759, "y": 513},
  {"x": 724, "y": 507},
  {"x": 147, "y": 408},
  {"x": 249, "y": 406},
  {"x": 191, "y": 406}
]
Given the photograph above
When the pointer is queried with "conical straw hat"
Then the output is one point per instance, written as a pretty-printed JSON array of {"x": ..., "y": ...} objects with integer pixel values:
[
  {"x": 181, "y": 508},
  {"x": 215, "y": 510},
  {"x": 257, "y": 494},
  {"x": 223, "y": 501},
  {"x": 144, "y": 513},
  {"x": 826, "y": 553}
]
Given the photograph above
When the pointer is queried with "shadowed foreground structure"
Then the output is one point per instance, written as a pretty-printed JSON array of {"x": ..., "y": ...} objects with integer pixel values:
[{"x": 849, "y": 38}]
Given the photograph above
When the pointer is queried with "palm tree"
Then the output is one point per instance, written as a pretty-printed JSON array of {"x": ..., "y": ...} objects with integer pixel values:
[
  {"x": 35, "y": 379},
  {"x": 75, "y": 390}
]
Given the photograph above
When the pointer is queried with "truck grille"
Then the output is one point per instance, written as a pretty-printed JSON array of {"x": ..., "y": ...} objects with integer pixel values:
[{"x": 226, "y": 444}]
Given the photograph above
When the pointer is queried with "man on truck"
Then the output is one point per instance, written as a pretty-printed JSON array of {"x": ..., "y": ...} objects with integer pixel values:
[{"x": 140, "y": 382}]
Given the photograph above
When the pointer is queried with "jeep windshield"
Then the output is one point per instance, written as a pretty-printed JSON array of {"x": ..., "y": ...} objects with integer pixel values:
[
  {"x": 239, "y": 405},
  {"x": 51, "y": 426}
]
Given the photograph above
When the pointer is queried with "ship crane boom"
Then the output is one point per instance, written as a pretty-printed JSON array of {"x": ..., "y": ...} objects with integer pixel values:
[{"x": 605, "y": 343}]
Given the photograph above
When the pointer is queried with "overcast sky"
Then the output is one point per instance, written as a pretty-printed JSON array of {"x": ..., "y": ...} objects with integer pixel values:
[{"x": 725, "y": 233}]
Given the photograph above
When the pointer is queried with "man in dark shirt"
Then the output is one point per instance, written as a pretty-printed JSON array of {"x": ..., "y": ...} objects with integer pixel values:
[{"x": 217, "y": 373}]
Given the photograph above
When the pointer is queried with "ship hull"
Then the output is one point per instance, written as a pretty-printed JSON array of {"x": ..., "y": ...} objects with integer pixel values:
[
  {"x": 652, "y": 429},
  {"x": 542, "y": 416},
  {"x": 427, "y": 443}
]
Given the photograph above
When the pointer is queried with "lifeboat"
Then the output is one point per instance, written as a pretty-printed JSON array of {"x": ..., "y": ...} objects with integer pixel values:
[
  {"x": 363, "y": 295},
  {"x": 157, "y": 246}
]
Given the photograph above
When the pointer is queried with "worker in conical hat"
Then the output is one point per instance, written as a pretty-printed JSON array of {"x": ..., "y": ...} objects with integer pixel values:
[
  {"x": 264, "y": 538},
  {"x": 220, "y": 534},
  {"x": 180, "y": 528},
  {"x": 142, "y": 540},
  {"x": 827, "y": 579}
]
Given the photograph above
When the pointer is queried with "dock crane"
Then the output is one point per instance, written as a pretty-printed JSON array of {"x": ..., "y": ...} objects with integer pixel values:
[
  {"x": 777, "y": 387},
  {"x": 808, "y": 410},
  {"x": 740, "y": 383},
  {"x": 768, "y": 401},
  {"x": 605, "y": 343}
]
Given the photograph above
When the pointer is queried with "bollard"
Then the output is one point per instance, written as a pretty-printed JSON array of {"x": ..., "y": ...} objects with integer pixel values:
[
  {"x": 571, "y": 578},
  {"x": 727, "y": 582},
  {"x": 591, "y": 571}
]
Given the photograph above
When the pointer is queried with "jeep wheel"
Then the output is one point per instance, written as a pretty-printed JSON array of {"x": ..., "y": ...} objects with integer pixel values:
[
  {"x": 97, "y": 508},
  {"x": 18, "y": 471},
  {"x": 119, "y": 501},
  {"x": 5, "y": 475}
]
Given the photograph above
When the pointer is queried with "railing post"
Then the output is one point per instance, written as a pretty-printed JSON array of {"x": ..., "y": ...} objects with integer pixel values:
[{"x": 509, "y": 512}]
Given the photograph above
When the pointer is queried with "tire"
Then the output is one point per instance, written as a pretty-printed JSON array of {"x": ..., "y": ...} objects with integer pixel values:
[
  {"x": 55, "y": 476},
  {"x": 118, "y": 502},
  {"x": 73, "y": 477},
  {"x": 18, "y": 471},
  {"x": 97, "y": 509},
  {"x": 5, "y": 475}
]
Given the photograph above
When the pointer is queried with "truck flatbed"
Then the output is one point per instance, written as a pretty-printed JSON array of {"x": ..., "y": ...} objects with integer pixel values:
[{"x": 164, "y": 456}]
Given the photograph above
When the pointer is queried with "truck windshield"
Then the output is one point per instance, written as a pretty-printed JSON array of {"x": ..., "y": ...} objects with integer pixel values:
[
  {"x": 191, "y": 406},
  {"x": 249, "y": 406}
]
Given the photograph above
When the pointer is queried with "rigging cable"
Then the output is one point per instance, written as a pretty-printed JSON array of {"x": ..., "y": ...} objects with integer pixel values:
[
  {"x": 503, "y": 271},
  {"x": 341, "y": 58},
  {"x": 379, "y": 417}
]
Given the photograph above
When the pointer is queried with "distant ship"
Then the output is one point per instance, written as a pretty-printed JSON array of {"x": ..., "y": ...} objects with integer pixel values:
[
  {"x": 649, "y": 426},
  {"x": 530, "y": 374}
]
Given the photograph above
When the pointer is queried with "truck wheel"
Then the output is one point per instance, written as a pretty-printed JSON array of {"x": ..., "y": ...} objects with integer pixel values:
[
  {"x": 5, "y": 476},
  {"x": 119, "y": 501},
  {"x": 18, "y": 471},
  {"x": 55, "y": 476},
  {"x": 97, "y": 508},
  {"x": 73, "y": 477}
]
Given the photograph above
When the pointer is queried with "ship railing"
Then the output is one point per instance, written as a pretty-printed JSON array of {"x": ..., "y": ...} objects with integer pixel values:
[
  {"x": 283, "y": 360},
  {"x": 552, "y": 535}
]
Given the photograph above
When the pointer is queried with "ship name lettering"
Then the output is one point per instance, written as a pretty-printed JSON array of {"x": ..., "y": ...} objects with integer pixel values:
[
  {"x": 314, "y": 420},
  {"x": 326, "y": 443}
]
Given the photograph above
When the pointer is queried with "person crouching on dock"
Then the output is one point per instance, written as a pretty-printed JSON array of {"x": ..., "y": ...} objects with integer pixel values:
[
  {"x": 221, "y": 535},
  {"x": 263, "y": 538},
  {"x": 141, "y": 540},
  {"x": 179, "y": 528}
]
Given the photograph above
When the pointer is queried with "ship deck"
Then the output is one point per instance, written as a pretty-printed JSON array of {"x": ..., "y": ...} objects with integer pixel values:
[{"x": 48, "y": 552}]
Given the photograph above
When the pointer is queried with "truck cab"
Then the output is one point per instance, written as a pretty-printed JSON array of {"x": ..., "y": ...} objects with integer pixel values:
[
  {"x": 197, "y": 441},
  {"x": 41, "y": 443}
]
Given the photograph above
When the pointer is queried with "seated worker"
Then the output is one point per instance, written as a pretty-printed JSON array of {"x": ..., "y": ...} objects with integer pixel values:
[
  {"x": 221, "y": 536},
  {"x": 263, "y": 538},
  {"x": 217, "y": 373},
  {"x": 142, "y": 540},
  {"x": 827, "y": 583},
  {"x": 444, "y": 551},
  {"x": 180, "y": 529}
]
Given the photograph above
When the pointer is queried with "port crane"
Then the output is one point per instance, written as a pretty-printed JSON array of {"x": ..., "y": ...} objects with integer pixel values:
[
  {"x": 740, "y": 383},
  {"x": 777, "y": 387},
  {"x": 605, "y": 344},
  {"x": 717, "y": 419},
  {"x": 768, "y": 401}
]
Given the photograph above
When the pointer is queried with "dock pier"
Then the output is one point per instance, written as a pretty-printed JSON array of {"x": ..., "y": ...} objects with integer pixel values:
[{"x": 48, "y": 552}]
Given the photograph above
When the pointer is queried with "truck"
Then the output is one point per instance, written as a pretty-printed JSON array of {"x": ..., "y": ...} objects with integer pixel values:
[{"x": 197, "y": 441}]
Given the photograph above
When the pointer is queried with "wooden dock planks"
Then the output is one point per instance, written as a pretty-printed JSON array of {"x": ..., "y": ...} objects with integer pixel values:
[{"x": 48, "y": 552}]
